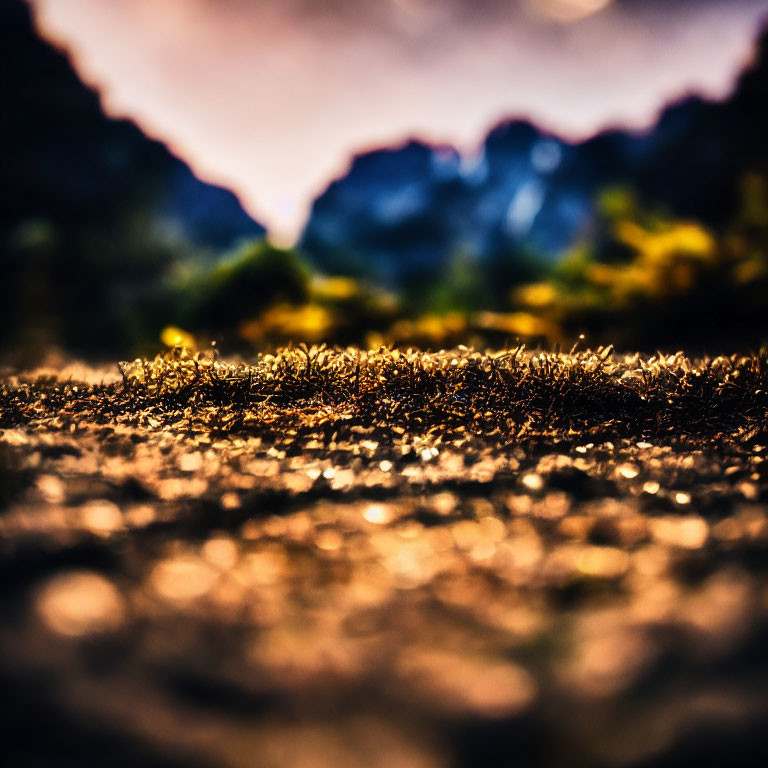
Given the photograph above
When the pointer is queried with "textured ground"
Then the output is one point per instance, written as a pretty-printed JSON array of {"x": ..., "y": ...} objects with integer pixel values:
[{"x": 350, "y": 559}]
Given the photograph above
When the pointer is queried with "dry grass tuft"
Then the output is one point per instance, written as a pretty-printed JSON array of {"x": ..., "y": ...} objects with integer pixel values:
[{"x": 514, "y": 393}]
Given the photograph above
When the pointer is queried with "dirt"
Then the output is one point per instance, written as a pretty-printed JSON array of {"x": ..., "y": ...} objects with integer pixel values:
[{"x": 239, "y": 570}]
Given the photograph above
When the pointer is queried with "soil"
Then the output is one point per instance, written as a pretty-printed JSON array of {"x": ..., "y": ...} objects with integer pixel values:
[{"x": 323, "y": 563}]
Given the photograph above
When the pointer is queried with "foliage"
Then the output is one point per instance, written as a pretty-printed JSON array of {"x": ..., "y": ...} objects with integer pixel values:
[
  {"x": 640, "y": 279},
  {"x": 91, "y": 292},
  {"x": 471, "y": 283},
  {"x": 645, "y": 280},
  {"x": 345, "y": 310},
  {"x": 242, "y": 284},
  {"x": 511, "y": 392}
]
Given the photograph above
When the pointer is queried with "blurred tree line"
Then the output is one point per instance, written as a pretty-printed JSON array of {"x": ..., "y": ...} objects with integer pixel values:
[
  {"x": 644, "y": 279},
  {"x": 639, "y": 280}
]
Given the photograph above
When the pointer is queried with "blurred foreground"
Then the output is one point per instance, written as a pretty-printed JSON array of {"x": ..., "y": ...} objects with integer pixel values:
[{"x": 341, "y": 558}]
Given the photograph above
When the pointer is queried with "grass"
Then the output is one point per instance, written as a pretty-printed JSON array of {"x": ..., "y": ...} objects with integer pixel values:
[
  {"x": 513, "y": 393},
  {"x": 413, "y": 553}
]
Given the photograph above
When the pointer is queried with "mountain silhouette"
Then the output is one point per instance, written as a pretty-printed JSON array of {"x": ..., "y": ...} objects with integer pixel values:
[
  {"x": 92, "y": 211},
  {"x": 401, "y": 211}
]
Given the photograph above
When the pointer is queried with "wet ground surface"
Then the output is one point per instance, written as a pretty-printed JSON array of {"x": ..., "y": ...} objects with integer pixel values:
[{"x": 378, "y": 596}]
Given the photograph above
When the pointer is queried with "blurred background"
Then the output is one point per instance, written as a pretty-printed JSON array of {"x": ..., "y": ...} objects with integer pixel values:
[{"x": 404, "y": 172}]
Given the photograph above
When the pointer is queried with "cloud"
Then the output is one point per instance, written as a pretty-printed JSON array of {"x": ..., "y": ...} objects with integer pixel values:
[{"x": 273, "y": 98}]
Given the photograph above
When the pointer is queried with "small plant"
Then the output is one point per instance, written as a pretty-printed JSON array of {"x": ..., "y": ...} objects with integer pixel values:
[{"x": 514, "y": 392}]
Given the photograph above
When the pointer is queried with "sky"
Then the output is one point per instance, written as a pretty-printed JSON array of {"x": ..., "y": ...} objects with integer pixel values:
[{"x": 272, "y": 98}]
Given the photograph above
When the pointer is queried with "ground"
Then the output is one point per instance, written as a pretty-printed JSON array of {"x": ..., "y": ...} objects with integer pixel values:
[{"x": 348, "y": 558}]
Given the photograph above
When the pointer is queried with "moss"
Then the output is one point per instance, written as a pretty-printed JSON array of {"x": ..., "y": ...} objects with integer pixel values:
[{"x": 515, "y": 392}]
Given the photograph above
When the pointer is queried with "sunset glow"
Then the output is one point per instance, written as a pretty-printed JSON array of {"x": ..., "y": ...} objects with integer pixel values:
[{"x": 273, "y": 99}]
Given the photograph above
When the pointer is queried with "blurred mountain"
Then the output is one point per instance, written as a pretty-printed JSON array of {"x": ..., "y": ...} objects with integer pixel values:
[
  {"x": 66, "y": 160},
  {"x": 92, "y": 210},
  {"x": 410, "y": 210}
]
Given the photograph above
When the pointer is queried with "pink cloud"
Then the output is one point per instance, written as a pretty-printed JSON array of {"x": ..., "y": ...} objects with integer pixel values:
[{"x": 273, "y": 98}]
